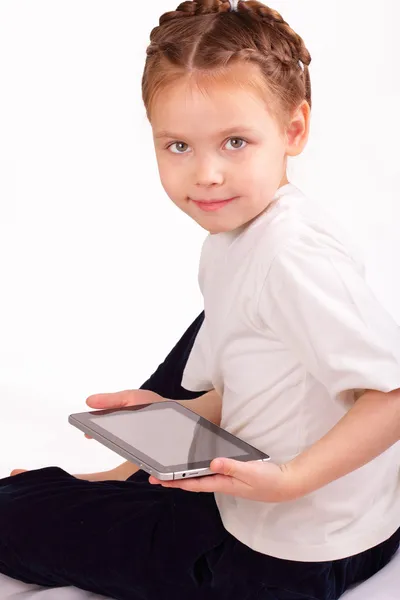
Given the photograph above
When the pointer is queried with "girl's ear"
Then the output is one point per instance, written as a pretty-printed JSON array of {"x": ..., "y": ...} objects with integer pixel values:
[{"x": 298, "y": 130}]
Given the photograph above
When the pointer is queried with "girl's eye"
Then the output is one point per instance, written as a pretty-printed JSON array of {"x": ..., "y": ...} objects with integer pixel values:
[
  {"x": 180, "y": 146},
  {"x": 237, "y": 143}
]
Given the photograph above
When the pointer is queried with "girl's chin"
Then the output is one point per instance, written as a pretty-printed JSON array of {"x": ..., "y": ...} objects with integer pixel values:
[{"x": 219, "y": 226}]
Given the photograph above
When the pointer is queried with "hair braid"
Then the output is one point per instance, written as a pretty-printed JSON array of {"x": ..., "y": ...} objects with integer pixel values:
[{"x": 217, "y": 36}]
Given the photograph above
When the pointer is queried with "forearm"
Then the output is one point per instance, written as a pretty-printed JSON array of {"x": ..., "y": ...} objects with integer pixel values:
[
  {"x": 208, "y": 406},
  {"x": 368, "y": 429}
]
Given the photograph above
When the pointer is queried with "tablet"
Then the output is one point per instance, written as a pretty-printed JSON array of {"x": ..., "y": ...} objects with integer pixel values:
[{"x": 165, "y": 439}]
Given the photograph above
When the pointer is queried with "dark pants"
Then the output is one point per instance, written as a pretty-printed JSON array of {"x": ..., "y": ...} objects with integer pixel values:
[{"x": 130, "y": 540}]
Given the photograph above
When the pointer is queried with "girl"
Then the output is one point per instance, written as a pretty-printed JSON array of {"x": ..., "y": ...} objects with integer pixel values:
[{"x": 296, "y": 355}]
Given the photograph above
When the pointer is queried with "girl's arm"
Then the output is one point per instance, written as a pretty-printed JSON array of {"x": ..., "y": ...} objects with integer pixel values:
[
  {"x": 317, "y": 303},
  {"x": 367, "y": 430},
  {"x": 208, "y": 406}
]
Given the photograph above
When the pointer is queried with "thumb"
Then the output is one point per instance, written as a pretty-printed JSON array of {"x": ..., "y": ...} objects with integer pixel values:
[{"x": 231, "y": 468}]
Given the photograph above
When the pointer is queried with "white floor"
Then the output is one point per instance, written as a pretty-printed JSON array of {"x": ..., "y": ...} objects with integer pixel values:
[{"x": 10, "y": 589}]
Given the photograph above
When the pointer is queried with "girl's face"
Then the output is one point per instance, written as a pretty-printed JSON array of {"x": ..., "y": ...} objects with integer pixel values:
[{"x": 221, "y": 155}]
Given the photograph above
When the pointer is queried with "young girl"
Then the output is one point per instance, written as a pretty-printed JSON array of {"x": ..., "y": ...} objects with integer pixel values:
[{"x": 296, "y": 354}]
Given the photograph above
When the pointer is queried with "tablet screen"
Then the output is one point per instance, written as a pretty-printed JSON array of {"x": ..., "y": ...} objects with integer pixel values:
[{"x": 168, "y": 436}]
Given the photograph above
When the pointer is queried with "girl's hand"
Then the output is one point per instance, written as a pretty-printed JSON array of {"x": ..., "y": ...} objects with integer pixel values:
[
  {"x": 264, "y": 482},
  {"x": 121, "y": 399}
]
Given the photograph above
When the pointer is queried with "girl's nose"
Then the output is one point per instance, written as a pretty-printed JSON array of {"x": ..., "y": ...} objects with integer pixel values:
[{"x": 208, "y": 173}]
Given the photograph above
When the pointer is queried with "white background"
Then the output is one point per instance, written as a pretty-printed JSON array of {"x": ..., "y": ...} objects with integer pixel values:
[{"x": 98, "y": 270}]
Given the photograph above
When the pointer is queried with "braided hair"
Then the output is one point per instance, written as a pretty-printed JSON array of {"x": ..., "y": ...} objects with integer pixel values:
[{"x": 205, "y": 37}]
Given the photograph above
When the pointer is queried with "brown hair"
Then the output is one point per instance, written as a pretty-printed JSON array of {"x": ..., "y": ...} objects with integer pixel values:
[{"x": 205, "y": 37}]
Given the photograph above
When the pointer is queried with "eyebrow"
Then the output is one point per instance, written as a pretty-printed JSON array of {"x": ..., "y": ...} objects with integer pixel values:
[{"x": 238, "y": 129}]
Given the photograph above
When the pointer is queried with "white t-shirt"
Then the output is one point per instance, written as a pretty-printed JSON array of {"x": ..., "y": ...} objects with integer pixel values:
[{"x": 292, "y": 334}]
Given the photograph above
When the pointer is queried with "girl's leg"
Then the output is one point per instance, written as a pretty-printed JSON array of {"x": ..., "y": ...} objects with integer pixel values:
[
  {"x": 356, "y": 569},
  {"x": 128, "y": 540},
  {"x": 236, "y": 571}
]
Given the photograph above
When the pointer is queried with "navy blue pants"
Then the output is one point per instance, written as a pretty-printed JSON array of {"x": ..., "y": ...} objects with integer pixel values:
[{"x": 130, "y": 540}]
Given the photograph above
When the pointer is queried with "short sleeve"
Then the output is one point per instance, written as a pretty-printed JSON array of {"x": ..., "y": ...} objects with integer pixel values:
[
  {"x": 316, "y": 301},
  {"x": 197, "y": 372}
]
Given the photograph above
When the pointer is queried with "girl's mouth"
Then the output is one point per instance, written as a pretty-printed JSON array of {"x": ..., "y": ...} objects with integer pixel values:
[{"x": 212, "y": 205}]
